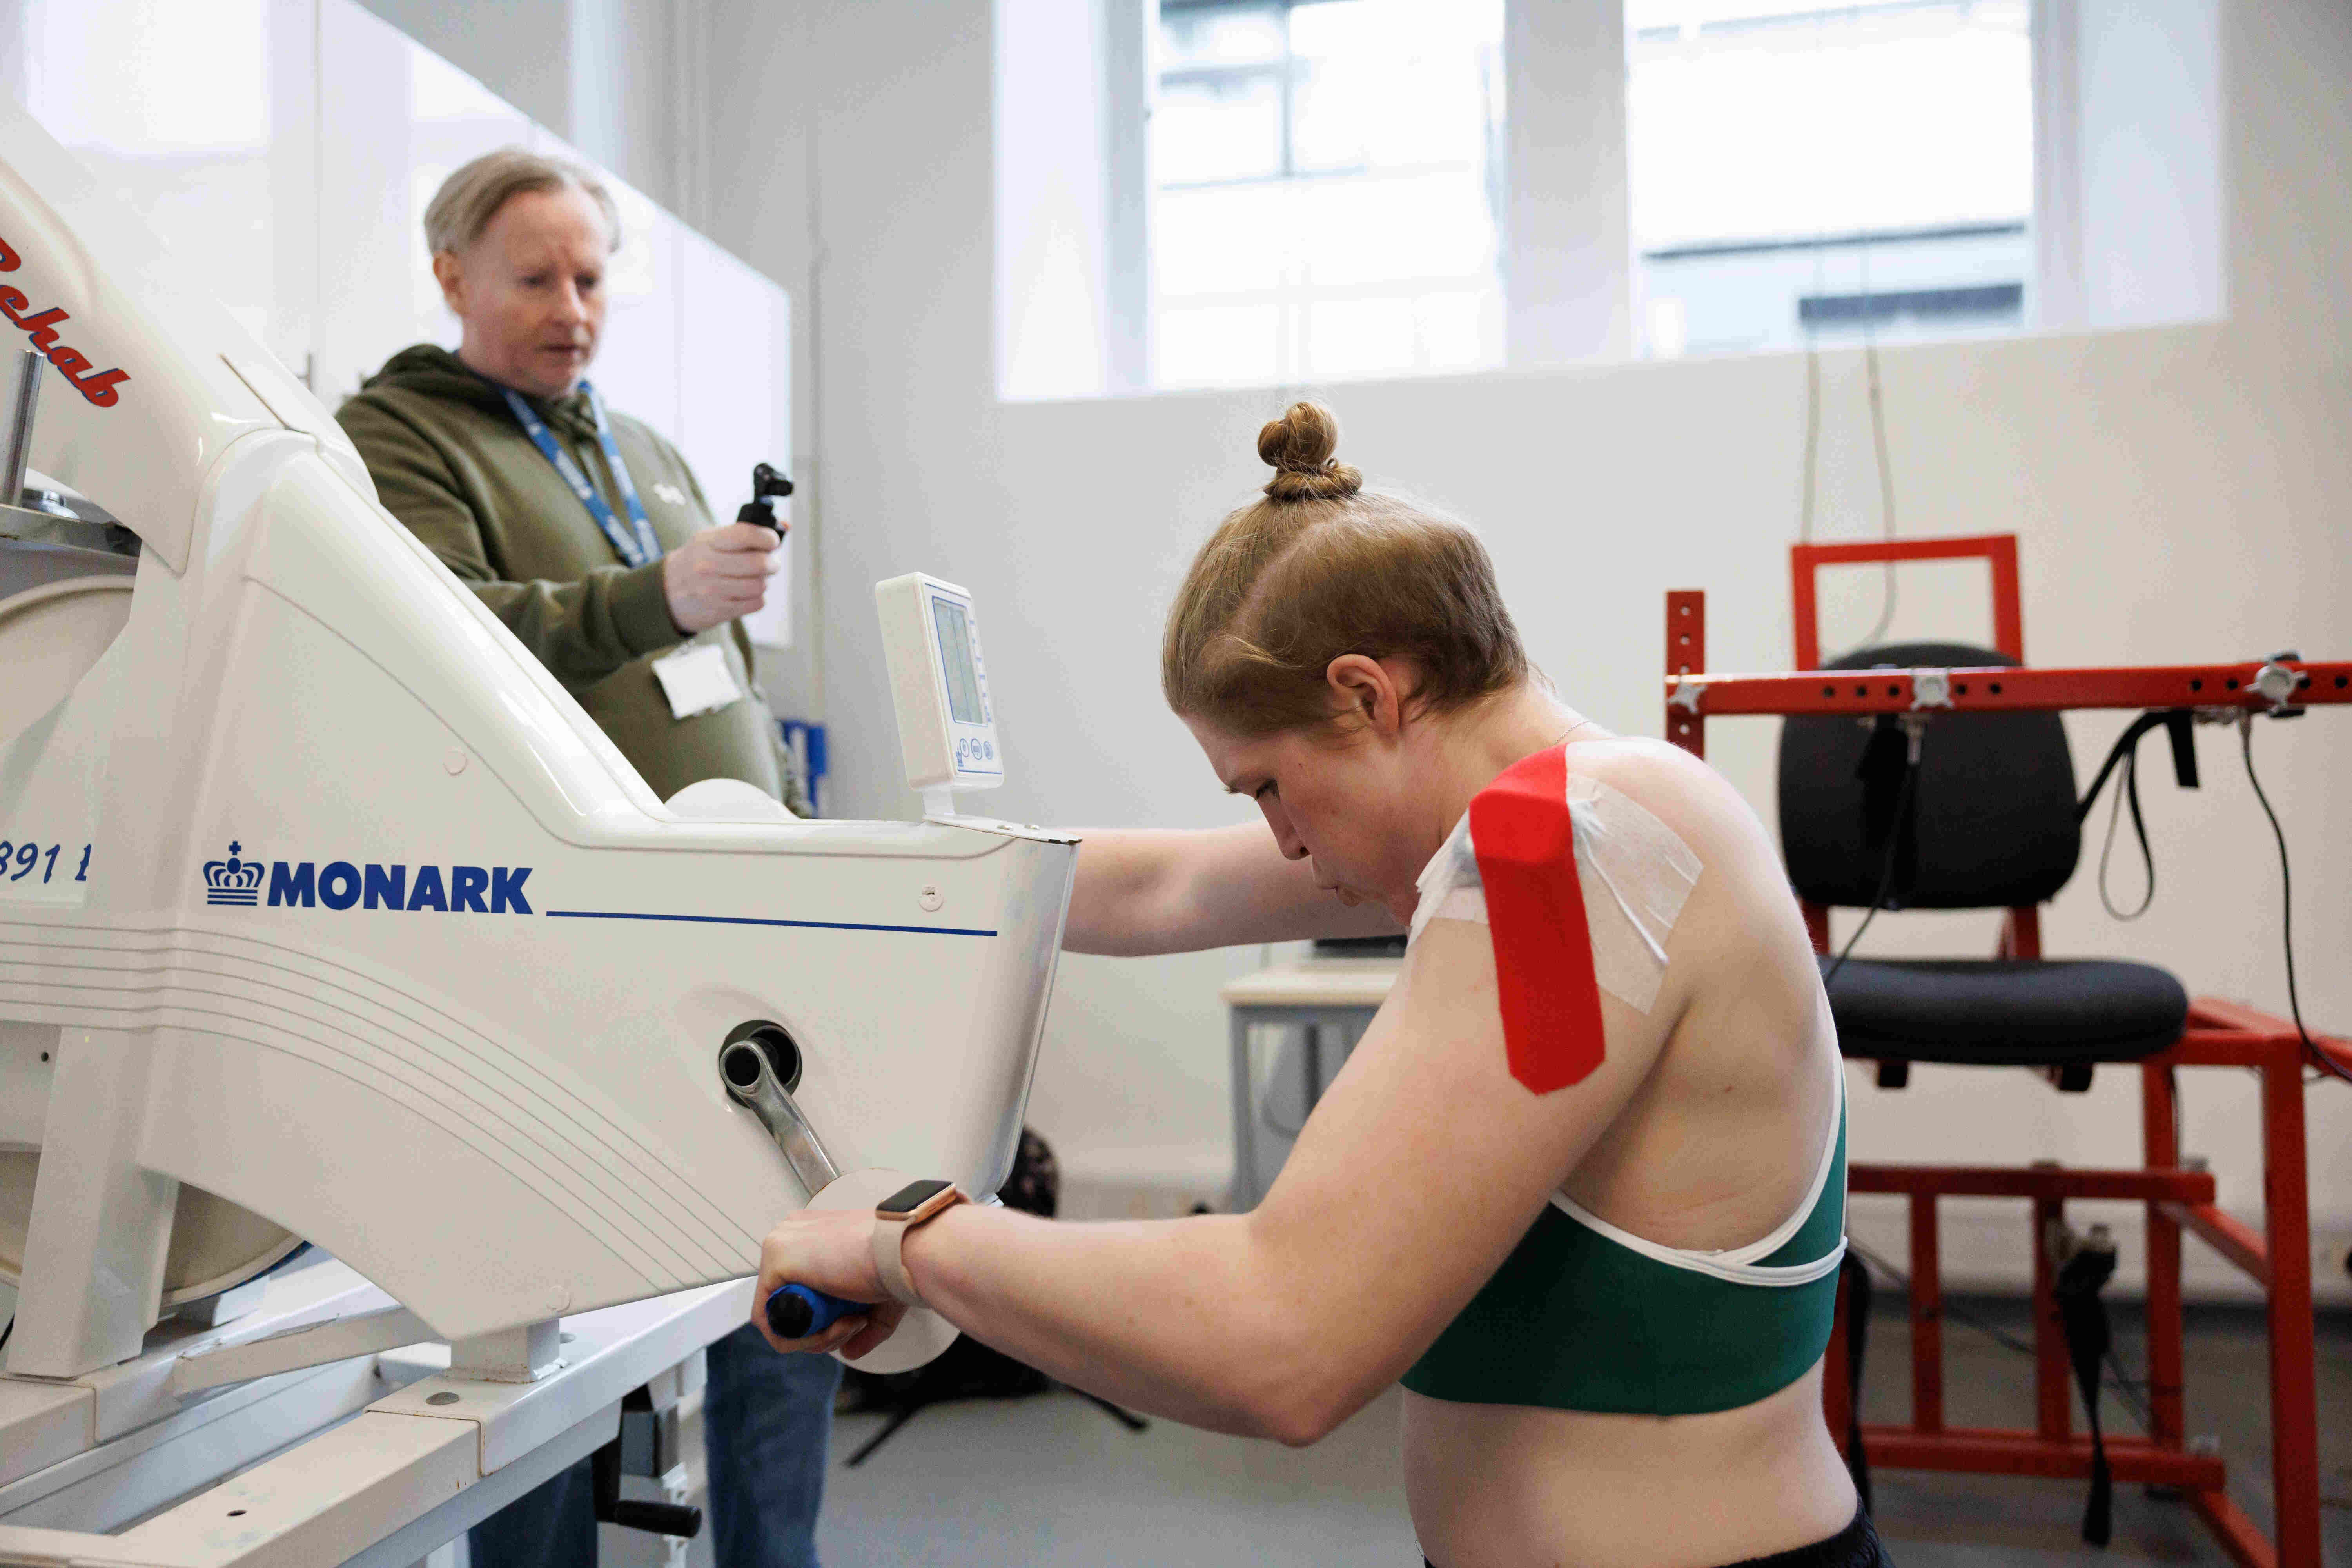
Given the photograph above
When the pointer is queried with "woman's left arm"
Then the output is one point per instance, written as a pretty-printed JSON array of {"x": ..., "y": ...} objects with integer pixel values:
[{"x": 1416, "y": 1176}]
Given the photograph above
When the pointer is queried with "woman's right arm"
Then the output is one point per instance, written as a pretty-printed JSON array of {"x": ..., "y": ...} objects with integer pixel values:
[{"x": 1145, "y": 890}]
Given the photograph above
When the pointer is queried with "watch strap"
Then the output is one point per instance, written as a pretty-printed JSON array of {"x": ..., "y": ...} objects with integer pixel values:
[{"x": 889, "y": 1244}]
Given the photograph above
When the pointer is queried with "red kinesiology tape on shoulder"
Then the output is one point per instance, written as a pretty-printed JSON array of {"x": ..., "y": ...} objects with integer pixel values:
[{"x": 1525, "y": 845}]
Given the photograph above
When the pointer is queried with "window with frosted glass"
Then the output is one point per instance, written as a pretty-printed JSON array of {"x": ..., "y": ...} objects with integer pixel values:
[
  {"x": 1828, "y": 175},
  {"x": 1328, "y": 186}
]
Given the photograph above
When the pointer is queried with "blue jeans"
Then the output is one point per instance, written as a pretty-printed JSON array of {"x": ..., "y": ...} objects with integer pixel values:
[{"x": 767, "y": 1420}]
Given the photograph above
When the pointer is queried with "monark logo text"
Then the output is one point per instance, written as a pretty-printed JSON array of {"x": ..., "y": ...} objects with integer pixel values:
[{"x": 341, "y": 885}]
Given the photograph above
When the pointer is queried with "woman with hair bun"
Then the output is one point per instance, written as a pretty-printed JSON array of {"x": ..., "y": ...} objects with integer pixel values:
[{"x": 1581, "y": 1184}]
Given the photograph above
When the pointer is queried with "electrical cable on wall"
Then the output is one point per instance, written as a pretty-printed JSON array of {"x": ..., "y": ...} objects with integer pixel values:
[
  {"x": 1914, "y": 739},
  {"x": 1812, "y": 439},
  {"x": 1813, "y": 401},
  {"x": 1878, "y": 447},
  {"x": 1885, "y": 481},
  {"x": 1807, "y": 501},
  {"x": 2319, "y": 1058},
  {"x": 2123, "y": 762}
]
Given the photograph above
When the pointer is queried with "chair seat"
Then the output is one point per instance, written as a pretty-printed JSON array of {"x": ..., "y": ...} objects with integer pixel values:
[{"x": 2005, "y": 1012}]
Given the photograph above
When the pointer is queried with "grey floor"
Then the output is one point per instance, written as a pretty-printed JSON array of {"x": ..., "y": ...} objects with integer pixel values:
[
  {"x": 1050, "y": 1481},
  {"x": 1947, "y": 1522}
]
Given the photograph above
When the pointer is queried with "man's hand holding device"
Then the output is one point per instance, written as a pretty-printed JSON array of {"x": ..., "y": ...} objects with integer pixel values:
[{"x": 720, "y": 574}]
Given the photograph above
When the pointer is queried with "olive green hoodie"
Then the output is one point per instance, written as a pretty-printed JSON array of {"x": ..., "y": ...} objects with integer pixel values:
[{"x": 450, "y": 460}]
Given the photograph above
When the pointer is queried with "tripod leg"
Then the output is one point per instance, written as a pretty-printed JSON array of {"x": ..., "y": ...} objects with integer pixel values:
[
  {"x": 898, "y": 1418},
  {"x": 1125, "y": 1417}
]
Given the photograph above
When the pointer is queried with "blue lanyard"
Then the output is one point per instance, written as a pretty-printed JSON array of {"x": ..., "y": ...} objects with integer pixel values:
[{"x": 636, "y": 545}]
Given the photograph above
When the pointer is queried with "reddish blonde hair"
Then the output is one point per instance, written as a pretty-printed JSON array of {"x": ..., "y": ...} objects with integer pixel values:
[{"x": 1322, "y": 568}]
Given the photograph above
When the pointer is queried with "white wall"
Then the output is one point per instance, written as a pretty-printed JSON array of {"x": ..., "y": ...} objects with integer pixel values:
[
  {"x": 522, "y": 49},
  {"x": 1053, "y": 200},
  {"x": 286, "y": 151},
  {"x": 2128, "y": 174},
  {"x": 2181, "y": 493},
  {"x": 2151, "y": 186},
  {"x": 203, "y": 119},
  {"x": 1571, "y": 239},
  {"x": 616, "y": 78}
]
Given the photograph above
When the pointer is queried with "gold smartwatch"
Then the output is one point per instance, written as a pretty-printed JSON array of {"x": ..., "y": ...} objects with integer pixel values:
[{"x": 916, "y": 1203}]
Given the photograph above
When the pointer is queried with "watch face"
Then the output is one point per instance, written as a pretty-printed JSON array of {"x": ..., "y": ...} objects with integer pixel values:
[{"x": 911, "y": 1196}]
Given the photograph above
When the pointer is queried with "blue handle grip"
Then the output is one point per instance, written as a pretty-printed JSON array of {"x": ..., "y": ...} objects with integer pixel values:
[{"x": 799, "y": 1311}]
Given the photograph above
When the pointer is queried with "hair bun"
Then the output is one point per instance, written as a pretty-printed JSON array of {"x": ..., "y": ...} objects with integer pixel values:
[{"x": 1299, "y": 446}]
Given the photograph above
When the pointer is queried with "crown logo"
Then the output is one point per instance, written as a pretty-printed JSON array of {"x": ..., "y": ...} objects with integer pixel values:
[{"x": 231, "y": 881}]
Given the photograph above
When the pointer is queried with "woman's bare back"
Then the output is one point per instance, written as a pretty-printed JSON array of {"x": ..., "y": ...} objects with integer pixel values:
[{"x": 1715, "y": 1149}]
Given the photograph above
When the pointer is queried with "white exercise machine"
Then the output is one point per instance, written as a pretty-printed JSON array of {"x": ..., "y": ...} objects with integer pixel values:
[{"x": 327, "y": 917}]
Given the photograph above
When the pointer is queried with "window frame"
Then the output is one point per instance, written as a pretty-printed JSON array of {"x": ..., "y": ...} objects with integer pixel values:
[
  {"x": 1289, "y": 73},
  {"x": 1568, "y": 273}
]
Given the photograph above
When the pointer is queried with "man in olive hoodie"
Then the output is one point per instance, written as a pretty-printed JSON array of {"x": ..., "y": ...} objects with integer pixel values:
[
  {"x": 453, "y": 463},
  {"x": 452, "y": 459},
  {"x": 587, "y": 535}
]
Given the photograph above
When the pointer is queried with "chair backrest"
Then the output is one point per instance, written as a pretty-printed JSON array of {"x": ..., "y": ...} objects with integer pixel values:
[{"x": 1994, "y": 809}]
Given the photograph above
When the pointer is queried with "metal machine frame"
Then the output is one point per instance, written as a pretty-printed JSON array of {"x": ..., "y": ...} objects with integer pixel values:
[
  {"x": 2178, "y": 1197},
  {"x": 504, "y": 1110}
]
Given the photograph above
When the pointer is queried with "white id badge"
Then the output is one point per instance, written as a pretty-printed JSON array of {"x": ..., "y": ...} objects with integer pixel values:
[{"x": 697, "y": 680}]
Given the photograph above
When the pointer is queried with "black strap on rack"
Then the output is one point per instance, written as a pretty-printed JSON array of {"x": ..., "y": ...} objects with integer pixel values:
[
  {"x": 2125, "y": 754},
  {"x": 2175, "y": 722},
  {"x": 2084, "y": 1314}
]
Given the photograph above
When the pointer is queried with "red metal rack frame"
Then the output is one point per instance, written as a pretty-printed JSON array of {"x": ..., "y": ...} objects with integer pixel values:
[
  {"x": 2218, "y": 1034},
  {"x": 1997, "y": 551}
]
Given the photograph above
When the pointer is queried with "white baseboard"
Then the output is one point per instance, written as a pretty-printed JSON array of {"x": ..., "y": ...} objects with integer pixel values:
[{"x": 1985, "y": 1243}]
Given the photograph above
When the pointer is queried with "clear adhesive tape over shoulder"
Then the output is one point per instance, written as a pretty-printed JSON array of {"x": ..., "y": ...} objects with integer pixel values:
[{"x": 1635, "y": 874}]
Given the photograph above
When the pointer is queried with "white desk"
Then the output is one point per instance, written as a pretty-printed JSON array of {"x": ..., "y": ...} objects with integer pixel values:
[{"x": 1331, "y": 1001}]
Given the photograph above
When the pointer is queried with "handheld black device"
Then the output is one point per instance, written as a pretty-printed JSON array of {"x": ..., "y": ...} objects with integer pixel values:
[{"x": 767, "y": 484}]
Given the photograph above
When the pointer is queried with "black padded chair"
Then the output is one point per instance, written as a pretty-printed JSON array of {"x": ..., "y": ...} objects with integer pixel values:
[{"x": 1990, "y": 824}]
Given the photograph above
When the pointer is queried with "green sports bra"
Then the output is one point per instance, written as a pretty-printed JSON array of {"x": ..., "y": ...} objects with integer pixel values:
[{"x": 1583, "y": 1316}]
